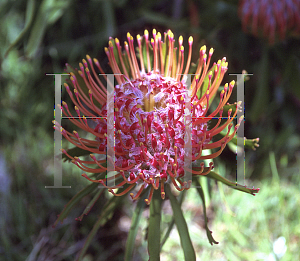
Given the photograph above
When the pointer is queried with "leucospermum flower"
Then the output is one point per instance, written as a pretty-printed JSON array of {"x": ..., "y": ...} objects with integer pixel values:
[
  {"x": 271, "y": 18},
  {"x": 150, "y": 113}
]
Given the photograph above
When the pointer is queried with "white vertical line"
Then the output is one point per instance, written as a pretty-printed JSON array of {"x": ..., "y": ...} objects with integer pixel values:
[
  {"x": 188, "y": 133},
  {"x": 57, "y": 135},
  {"x": 110, "y": 131},
  {"x": 240, "y": 154}
]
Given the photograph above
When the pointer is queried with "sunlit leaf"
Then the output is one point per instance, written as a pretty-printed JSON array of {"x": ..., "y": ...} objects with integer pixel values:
[
  {"x": 172, "y": 222},
  {"x": 217, "y": 177},
  {"x": 185, "y": 240}
]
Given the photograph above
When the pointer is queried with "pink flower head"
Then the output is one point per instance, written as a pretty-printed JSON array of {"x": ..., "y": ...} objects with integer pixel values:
[
  {"x": 271, "y": 18},
  {"x": 150, "y": 113}
]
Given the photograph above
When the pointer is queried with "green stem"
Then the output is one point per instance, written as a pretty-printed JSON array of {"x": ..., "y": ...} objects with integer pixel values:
[{"x": 154, "y": 227}]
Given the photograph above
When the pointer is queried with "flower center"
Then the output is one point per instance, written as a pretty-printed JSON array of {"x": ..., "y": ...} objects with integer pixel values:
[{"x": 152, "y": 91}]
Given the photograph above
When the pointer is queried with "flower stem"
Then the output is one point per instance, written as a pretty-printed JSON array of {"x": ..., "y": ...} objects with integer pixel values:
[{"x": 154, "y": 227}]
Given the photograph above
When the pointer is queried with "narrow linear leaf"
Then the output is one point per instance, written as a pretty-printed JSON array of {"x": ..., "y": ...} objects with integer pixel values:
[
  {"x": 91, "y": 204},
  {"x": 136, "y": 217},
  {"x": 81, "y": 194},
  {"x": 30, "y": 9},
  {"x": 105, "y": 215},
  {"x": 154, "y": 227},
  {"x": 48, "y": 13},
  {"x": 166, "y": 236},
  {"x": 214, "y": 175},
  {"x": 37, "y": 33},
  {"x": 274, "y": 171},
  {"x": 172, "y": 222},
  {"x": 185, "y": 240},
  {"x": 208, "y": 232}
]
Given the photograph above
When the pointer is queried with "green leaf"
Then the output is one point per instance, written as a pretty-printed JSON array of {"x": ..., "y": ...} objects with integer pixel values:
[
  {"x": 172, "y": 222},
  {"x": 48, "y": 13},
  {"x": 30, "y": 9},
  {"x": 217, "y": 177},
  {"x": 272, "y": 159},
  {"x": 136, "y": 217},
  {"x": 208, "y": 232},
  {"x": 36, "y": 35},
  {"x": 105, "y": 215},
  {"x": 81, "y": 194},
  {"x": 185, "y": 240},
  {"x": 91, "y": 204},
  {"x": 154, "y": 227}
]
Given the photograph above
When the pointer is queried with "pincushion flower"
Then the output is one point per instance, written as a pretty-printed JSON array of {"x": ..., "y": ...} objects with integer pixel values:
[
  {"x": 153, "y": 126},
  {"x": 271, "y": 18}
]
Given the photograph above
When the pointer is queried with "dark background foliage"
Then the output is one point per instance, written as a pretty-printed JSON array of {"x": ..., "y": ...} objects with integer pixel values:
[{"x": 39, "y": 37}]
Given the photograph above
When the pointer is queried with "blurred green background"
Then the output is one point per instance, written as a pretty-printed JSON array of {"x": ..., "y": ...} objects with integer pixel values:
[{"x": 39, "y": 37}]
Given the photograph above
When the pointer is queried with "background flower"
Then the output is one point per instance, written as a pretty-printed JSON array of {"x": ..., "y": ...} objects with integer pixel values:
[{"x": 272, "y": 19}]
